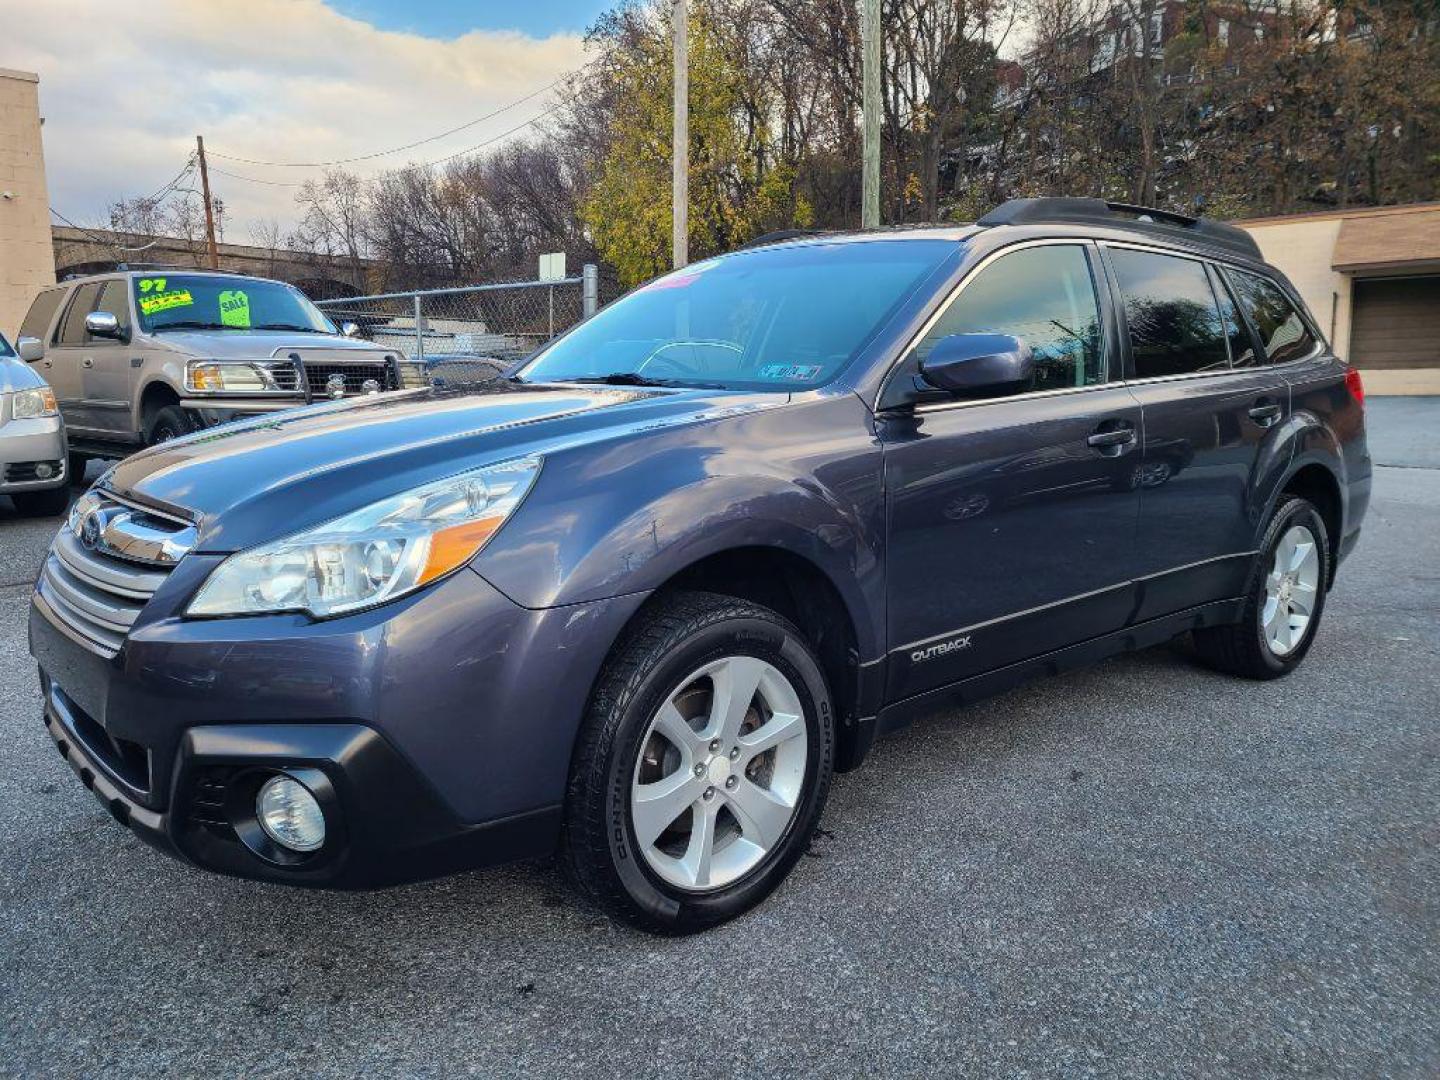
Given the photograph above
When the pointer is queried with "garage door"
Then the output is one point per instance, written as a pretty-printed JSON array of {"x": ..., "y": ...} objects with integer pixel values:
[{"x": 1396, "y": 323}]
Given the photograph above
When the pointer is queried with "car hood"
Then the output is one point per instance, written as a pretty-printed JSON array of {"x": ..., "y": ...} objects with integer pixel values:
[
  {"x": 257, "y": 480},
  {"x": 258, "y": 344},
  {"x": 15, "y": 374}
]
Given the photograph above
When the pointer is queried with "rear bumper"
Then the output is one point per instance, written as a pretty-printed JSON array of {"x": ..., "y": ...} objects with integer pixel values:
[{"x": 384, "y": 823}]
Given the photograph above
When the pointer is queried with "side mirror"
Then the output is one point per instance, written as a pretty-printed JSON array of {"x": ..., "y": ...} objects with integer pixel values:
[
  {"x": 349, "y": 329},
  {"x": 103, "y": 324},
  {"x": 979, "y": 364},
  {"x": 30, "y": 349}
]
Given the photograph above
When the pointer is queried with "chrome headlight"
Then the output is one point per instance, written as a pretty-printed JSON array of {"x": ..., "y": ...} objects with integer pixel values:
[
  {"x": 229, "y": 377},
  {"x": 374, "y": 555},
  {"x": 31, "y": 404}
]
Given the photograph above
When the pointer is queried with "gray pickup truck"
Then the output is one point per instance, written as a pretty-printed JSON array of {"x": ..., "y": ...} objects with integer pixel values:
[{"x": 137, "y": 357}]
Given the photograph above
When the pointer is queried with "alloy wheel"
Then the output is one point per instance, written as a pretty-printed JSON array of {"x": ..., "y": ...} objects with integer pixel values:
[
  {"x": 720, "y": 773},
  {"x": 1291, "y": 589}
]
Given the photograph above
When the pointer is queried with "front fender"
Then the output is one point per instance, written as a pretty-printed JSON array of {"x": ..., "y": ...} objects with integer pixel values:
[{"x": 625, "y": 517}]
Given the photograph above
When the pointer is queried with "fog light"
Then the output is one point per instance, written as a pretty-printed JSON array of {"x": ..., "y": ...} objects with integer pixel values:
[
  {"x": 44, "y": 470},
  {"x": 290, "y": 815}
]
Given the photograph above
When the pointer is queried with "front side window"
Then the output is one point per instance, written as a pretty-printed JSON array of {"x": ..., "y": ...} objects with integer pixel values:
[
  {"x": 1045, "y": 296},
  {"x": 1283, "y": 332},
  {"x": 1174, "y": 324},
  {"x": 71, "y": 330},
  {"x": 781, "y": 318},
  {"x": 113, "y": 300},
  {"x": 215, "y": 302}
]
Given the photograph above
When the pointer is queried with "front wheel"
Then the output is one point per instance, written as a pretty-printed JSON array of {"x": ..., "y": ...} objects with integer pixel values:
[
  {"x": 702, "y": 767},
  {"x": 1285, "y": 598},
  {"x": 166, "y": 423}
]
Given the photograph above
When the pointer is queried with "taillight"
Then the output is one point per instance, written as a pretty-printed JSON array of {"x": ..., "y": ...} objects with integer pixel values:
[{"x": 1355, "y": 386}]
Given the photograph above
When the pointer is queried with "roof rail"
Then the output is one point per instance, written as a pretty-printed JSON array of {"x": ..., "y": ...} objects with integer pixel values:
[{"x": 1118, "y": 215}]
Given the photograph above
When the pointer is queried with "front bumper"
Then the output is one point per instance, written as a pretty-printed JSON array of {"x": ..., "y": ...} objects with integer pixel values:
[
  {"x": 384, "y": 823},
  {"x": 23, "y": 442},
  {"x": 441, "y": 725}
]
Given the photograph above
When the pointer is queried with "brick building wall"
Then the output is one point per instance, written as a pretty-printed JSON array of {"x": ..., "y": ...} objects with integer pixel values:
[{"x": 27, "y": 260}]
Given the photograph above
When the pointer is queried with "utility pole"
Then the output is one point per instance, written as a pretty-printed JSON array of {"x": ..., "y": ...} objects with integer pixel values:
[
  {"x": 209, "y": 207},
  {"x": 680, "y": 151},
  {"x": 870, "y": 114}
]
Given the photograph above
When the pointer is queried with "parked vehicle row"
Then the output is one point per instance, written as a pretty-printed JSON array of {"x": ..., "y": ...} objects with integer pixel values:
[
  {"x": 138, "y": 357},
  {"x": 638, "y": 601}
]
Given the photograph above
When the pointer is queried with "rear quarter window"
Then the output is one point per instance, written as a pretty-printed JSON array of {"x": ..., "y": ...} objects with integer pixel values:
[
  {"x": 1284, "y": 334},
  {"x": 42, "y": 311}
]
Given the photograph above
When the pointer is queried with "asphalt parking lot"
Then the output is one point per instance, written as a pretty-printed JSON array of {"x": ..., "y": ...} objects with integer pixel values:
[{"x": 1144, "y": 869}]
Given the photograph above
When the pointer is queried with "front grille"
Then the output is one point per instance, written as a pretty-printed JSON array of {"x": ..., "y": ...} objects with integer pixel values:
[
  {"x": 318, "y": 377},
  {"x": 99, "y": 592},
  {"x": 286, "y": 376},
  {"x": 27, "y": 472}
]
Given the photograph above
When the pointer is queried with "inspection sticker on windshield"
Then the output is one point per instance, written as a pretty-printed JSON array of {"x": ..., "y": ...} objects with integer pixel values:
[
  {"x": 790, "y": 372},
  {"x": 165, "y": 301},
  {"x": 234, "y": 308}
]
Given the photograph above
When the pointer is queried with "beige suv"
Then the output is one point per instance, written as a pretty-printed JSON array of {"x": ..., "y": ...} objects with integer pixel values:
[{"x": 137, "y": 357}]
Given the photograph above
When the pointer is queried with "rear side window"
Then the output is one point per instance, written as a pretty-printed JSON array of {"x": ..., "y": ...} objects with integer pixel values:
[
  {"x": 37, "y": 320},
  {"x": 72, "y": 327},
  {"x": 1170, "y": 310},
  {"x": 1044, "y": 296},
  {"x": 1242, "y": 345},
  {"x": 1283, "y": 332}
]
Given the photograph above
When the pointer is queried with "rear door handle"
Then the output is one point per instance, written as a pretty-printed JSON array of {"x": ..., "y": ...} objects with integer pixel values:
[{"x": 1265, "y": 413}]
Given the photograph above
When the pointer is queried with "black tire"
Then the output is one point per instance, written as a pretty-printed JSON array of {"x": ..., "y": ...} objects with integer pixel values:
[
  {"x": 1241, "y": 648},
  {"x": 49, "y": 503},
  {"x": 166, "y": 423},
  {"x": 678, "y": 635},
  {"x": 78, "y": 464}
]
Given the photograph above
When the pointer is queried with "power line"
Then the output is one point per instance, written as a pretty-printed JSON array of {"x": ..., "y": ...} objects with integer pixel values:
[
  {"x": 189, "y": 164},
  {"x": 408, "y": 146},
  {"x": 422, "y": 165},
  {"x": 101, "y": 240}
]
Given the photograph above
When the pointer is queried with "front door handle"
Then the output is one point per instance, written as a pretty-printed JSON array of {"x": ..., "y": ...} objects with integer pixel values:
[
  {"x": 1265, "y": 412},
  {"x": 1115, "y": 437}
]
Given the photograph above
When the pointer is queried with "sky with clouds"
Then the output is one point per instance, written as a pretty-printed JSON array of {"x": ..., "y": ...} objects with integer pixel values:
[{"x": 125, "y": 87}]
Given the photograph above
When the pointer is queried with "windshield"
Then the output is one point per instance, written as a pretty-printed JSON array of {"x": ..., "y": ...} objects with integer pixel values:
[
  {"x": 5, "y": 349},
  {"x": 215, "y": 302},
  {"x": 772, "y": 319}
]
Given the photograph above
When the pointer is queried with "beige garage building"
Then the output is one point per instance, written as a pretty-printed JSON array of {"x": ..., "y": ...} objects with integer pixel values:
[{"x": 1372, "y": 278}]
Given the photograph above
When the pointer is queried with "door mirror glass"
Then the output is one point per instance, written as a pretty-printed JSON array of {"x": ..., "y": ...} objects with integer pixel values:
[
  {"x": 979, "y": 364},
  {"x": 30, "y": 349},
  {"x": 102, "y": 324}
]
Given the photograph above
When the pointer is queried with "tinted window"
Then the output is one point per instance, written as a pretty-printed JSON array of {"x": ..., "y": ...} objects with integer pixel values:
[
  {"x": 72, "y": 328},
  {"x": 1046, "y": 297},
  {"x": 5, "y": 349},
  {"x": 1242, "y": 345},
  {"x": 113, "y": 300},
  {"x": 37, "y": 320},
  {"x": 1283, "y": 333},
  {"x": 1174, "y": 323},
  {"x": 773, "y": 318}
]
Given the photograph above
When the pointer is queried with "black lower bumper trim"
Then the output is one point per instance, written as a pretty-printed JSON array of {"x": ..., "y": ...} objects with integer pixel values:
[{"x": 385, "y": 825}]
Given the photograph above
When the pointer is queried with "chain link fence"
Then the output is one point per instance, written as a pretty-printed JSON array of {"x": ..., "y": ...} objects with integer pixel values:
[{"x": 473, "y": 333}]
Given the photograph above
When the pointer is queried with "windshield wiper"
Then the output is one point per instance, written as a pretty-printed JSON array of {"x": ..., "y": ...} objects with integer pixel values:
[
  {"x": 288, "y": 326},
  {"x": 632, "y": 378},
  {"x": 190, "y": 324}
]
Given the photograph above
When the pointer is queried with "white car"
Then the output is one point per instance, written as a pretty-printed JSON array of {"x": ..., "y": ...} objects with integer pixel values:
[{"x": 33, "y": 457}]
